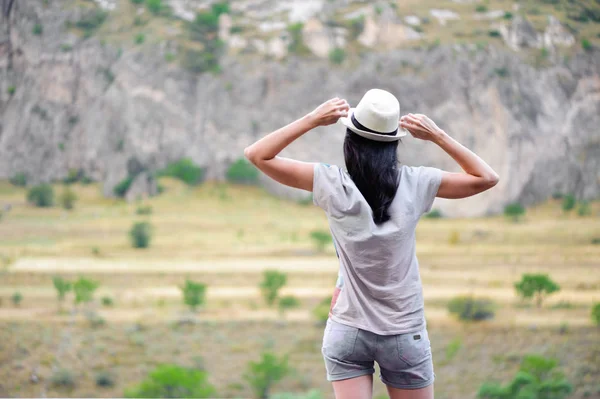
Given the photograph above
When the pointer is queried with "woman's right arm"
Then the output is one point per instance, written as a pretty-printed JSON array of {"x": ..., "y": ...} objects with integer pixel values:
[{"x": 479, "y": 175}]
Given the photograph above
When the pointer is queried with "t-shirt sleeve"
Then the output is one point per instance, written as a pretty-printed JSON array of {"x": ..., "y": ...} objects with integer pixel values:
[
  {"x": 325, "y": 185},
  {"x": 428, "y": 185}
]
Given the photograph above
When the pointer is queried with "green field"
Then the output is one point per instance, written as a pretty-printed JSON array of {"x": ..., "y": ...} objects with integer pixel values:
[{"x": 226, "y": 236}]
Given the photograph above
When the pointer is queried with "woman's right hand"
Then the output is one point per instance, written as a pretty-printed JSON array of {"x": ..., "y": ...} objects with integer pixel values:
[
  {"x": 329, "y": 112},
  {"x": 421, "y": 127}
]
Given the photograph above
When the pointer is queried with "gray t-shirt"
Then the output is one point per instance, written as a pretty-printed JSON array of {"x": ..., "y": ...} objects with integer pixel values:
[{"x": 382, "y": 290}]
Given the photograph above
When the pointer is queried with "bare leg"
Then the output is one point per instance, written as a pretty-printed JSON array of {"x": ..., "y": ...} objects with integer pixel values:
[
  {"x": 354, "y": 388},
  {"x": 423, "y": 393}
]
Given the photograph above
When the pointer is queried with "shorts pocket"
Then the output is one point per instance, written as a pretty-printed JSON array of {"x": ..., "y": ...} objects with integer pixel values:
[
  {"x": 339, "y": 340},
  {"x": 414, "y": 348}
]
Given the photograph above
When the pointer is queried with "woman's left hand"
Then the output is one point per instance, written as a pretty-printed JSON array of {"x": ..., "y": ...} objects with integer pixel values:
[{"x": 329, "y": 112}]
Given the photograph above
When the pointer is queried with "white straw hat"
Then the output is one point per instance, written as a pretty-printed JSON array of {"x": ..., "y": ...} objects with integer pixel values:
[{"x": 376, "y": 117}]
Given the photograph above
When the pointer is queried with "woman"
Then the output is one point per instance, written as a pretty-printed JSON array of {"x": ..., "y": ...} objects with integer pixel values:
[{"x": 373, "y": 208}]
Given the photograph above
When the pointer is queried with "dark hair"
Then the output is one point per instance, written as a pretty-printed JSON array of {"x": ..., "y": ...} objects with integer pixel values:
[{"x": 373, "y": 166}]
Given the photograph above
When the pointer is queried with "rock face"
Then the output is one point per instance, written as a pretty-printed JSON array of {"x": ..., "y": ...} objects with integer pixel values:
[{"x": 105, "y": 112}]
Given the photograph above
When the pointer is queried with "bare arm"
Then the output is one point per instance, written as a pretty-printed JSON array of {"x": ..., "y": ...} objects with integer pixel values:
[
  {"x": 293, "y": 173},
  {"x": 478, "y": 176}
]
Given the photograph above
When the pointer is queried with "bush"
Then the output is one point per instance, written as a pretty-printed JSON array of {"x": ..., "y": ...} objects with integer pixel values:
[
  {"x": 321, "y": 311},
  {"x": 137, "y": 1},
  {"x": 17, "y": 298},
  {"x": 568, "y": 203},
  {"x": 185, "y": 170},
  {"x": 472, "y": 309},
  {"x": 584, "y": 209},
  {"x": 596, "y": 313},
  {"x": 193, "y": 294},
  {"x": 201, "y": 61},
  {"x": 105, "y": 379},
  {"x": 536, "y": 378},
  {"x": 67, "y": 198},
  {"x": 508, "y": 15},
  {"x": 586, "y": 44},
  {"x": 140, "y": 235},
  {"x": 288, "y": 302},
  {"x": 11, "y": 90},
  {"x": 434, "y": 214},
  {"x": 139, "y": 38},
  {"x": 494, "y": 33},
  {"x": 154, "y": 6},
  {"x": 84, "y": 290},
  {"x": 271, "y": 284},
  {"x": 536, "y": 285},
  {"x": 91, "y": 22},
  {"x": 62, "y": 287},
  {"x": 121, "y": 188},
  {"x": 595, "y": 241},
  {"x": 321, "y": 239},
  {"x": 107, "y": 301},
  {"x": 481, "y": 8},
  {"x": 63, "y": 378},
  {"x": 296, "y": 44},
  {"x": 19, "y": 180},
  {"x": 264, "y": 374},
  {"x": 357, "y": 26},
  {"x": 337, "y": 55},
  {"x": 514, "y": 211},
  {"x": 242, "y": 172},
  {"x": 144, "y": 210},
  {"x": 220, "y": 8},
  {"x": 41, "y": 195},
  {"x": 171, "y": 381},
  {"x": 37, "y": 29}
]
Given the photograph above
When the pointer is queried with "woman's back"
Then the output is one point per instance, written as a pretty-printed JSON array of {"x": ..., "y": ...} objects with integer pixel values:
[{"x": 382, "y": 288}]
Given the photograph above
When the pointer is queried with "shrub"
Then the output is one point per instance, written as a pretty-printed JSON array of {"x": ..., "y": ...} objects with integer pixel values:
[
  {"x": 472, "y": 309},
  {"x": 144, "y": 210},
  {"x": 193, "y": 294},
  {"x": 11, "y": 90},
  {"x": 107, "y": 301},
  {"x": 171, "y": 381},
  {"x": 65, "y": 48},
  {"x": 220, "y": 8},
  {"x": 320, "y": 238},
  {"x": 137, "y": 1},
  {"x": 154, "y": 6},
  {"x": 584, "y": 209},
  {"x": 357, "y": 26},
  {"x": 586, "y": 44},
  {"x": 536, "y": 285},
  {"x": 271, "y": 284},
  {"x": 41, "y": 195},
  {"x": 434, "y": 214},
  {"x": 297, "y": 45},
  {"x": 321, "y": 311},
  {"x": 481, "y": 8},
  {"x": 169, "y": 57},
  {"x": 62, "y": 287},
  {"x": 568, "y": 203},
  {"x": 63, "y": 378},
  {"x": 243, "y": 172},
  {"x": 17, "y": 298},
  {"x": 201, "y": 61},
  {"x": 37, "y": 29},
  {"x": 536, "y": 378},
  {"x": 19, "y": 180},
  {"x": 596, "y": 313},
  {"x": 264, "y": 374},
  {"x": 288, "y": 302},
  {"x": 508, "y": 15},
  {"x": 337, "y": 55},
  {"x": 139, "y": 38},
  {"x": 122, "y": 187},
  {"x": 89, "y": 23},
  {"x": 140, "y": 234},
  {"x": 494, "y": 33},
  {"x": 105, "y": 379},
  {"x": 185, "y": 170},
  {"x": 595, "y": 241},
  {"x": 514, "y": 211},
  {"x": 67, "y": 198},
  {"x": 84, "y": 290}
]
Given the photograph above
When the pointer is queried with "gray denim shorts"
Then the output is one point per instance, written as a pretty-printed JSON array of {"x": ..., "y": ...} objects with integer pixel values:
[{"x": 405, "y": 360}]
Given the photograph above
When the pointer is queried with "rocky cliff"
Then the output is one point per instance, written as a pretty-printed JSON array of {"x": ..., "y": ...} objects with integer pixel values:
[{"x": 73, "y": 102}]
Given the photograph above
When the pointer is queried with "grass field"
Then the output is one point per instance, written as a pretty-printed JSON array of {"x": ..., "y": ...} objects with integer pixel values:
[{"x": 226, "y": 236}]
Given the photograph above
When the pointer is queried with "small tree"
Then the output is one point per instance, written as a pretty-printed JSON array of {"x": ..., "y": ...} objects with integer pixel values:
[
  {"x": 536, "y": 378},
  {"x": 271, "y": 284},
  {"x": 84, "y": 290},
  {"x": 596, "y": 314},
  {"x": 471, "y": 309},
  {"x": 185, "y": 170},
  {"x": 536, "y": 285},
  {"x": 67, "y": 198},
  {"x": 568, "y": 203},
  {"x": 321, "y": 238},
  {"x": 286, "y": 303},
  {"x": 514, "y": 211},
  {"x": 337, "y": 55},
  {"x": 264, "y": 374},
  {"x": 62, "y": 288},
  {"x": 41, "y": 195},
  {"x": 171, "y": 381},
  {"x": 140, "y": 235},
  {"x": 17, "y": 298},
  {"x": 193, "y": 294}
]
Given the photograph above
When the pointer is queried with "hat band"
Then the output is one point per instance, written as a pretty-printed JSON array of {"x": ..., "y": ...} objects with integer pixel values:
[{"x": 361, "y": 127}]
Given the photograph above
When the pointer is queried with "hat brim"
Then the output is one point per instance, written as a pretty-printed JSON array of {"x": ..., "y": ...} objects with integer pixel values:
[{"x": 368, "y": 135}]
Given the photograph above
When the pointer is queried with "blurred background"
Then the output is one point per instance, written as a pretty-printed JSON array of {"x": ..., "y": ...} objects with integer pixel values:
[{"x": 142, "y": 256}]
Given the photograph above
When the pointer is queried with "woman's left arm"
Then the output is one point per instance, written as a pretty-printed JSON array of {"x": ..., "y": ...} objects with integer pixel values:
[{"x": 293, "y": 173}]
